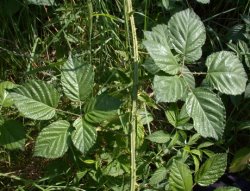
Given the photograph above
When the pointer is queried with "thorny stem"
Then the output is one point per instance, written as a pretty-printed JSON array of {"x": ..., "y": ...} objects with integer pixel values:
[
  {"x": 90, "y": 15},
  {"x": 133, "y": 120}
]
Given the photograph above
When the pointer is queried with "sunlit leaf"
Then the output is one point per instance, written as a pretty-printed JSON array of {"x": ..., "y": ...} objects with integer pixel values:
[
  {"x": 188, "y": 34},
  {"x": 211, "y": 170},
  {"x": 159, "y": 137},
  {"x": 52, "y": 141},
  {"x": 84, "y": 135},
  {"x": 207, "y": 111},
  {"x": 77, "y": 78},
  {"x": 42, "y": 2},
  {"x": 180, "y": 177},
  {"x": 169, "y": 88},
  {"x": 226, "y": 73},
  {"x": 203, "y": 1},
  {"x": 36, "y": 100},
  {"x": 158, "y": 46},
  {"x": 5, "y": 99}
]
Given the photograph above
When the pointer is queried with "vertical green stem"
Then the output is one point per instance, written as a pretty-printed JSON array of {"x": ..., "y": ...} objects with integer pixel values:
[
  {"x": 133, "y": 120},
  {"x": 90, "y": 12}
]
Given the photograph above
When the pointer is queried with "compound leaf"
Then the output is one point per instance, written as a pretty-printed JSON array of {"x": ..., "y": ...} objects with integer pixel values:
[
  {"x": 207, "y": 111},
  {"x": 36, "y": 100},
  {"x": 84, "y": 135},
  {"x": 180, "y": 177},
  {"x": 77, "y": 78},
  {"x": 211, "y": 170},
  {"x": 188, "y": 34},
  {"x": 226, "y": 73},
  {"x": 52, "y": 141}
]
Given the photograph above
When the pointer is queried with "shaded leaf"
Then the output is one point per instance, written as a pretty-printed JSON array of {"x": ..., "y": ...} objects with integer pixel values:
[
  {"x": 150, "y": 66},
  {"x": 84, "y": 135},
  {"x": 36, "y": 100},
  {"x": 227, "y": 188},
  {"x": 211, "y": 170},
  {"x": 241, "y": 160},
  {"x": 101, "y": 108},
  {"x": 247, "y": 91},
  {"x": 207, "y": 111},
  {"x": 52, "y": 141},
  {"x": 226, "y": 73},
  {"x": 12, "y": 135}
]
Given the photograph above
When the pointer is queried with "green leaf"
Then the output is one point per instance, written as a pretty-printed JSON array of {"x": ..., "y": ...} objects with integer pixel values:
[
  {"x": 158, "y": 176},
  {"x": 211, "y": 170},
  {"x": 165, "y": 4},
  {"x": 36, "y": 100},
  {"x": 188, "y": 34},
  {"x": 247, "y": 91},
  {"x": 114, "y": 169},
  {"x": 203, "y": 1},
  {"x": 42, "y": 2},
  {"x": 188, "y": 78},
  {"x": 172, "y": 114},
  {"x": 180, "y": 177},
  {"x": 205, "y": 144},
  {"x": 144, "y": 117},
  {"x": 52, "y": 141},
  {"x": 241, "y": 160},
  {"x": 196, "y": 163},
  {"x": 12, "y": 135},
  {"x": 226, "y": 73},
  {"x": 227, "y": 188},
  {"x": 157, "y": 45},
  {"x": 101, "y": 108},
  {"x": 169, "y": 88},
  {"x": 84, "y": 135},
  {"x": 207, "y": 111},
  {"x": 5, "y": 99},
  {"x": 140, "y": 133},
  {"x": 77, "y": 78},
  {"x": 159, "y": 137},
  {"x": 150, "y": 66}
]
